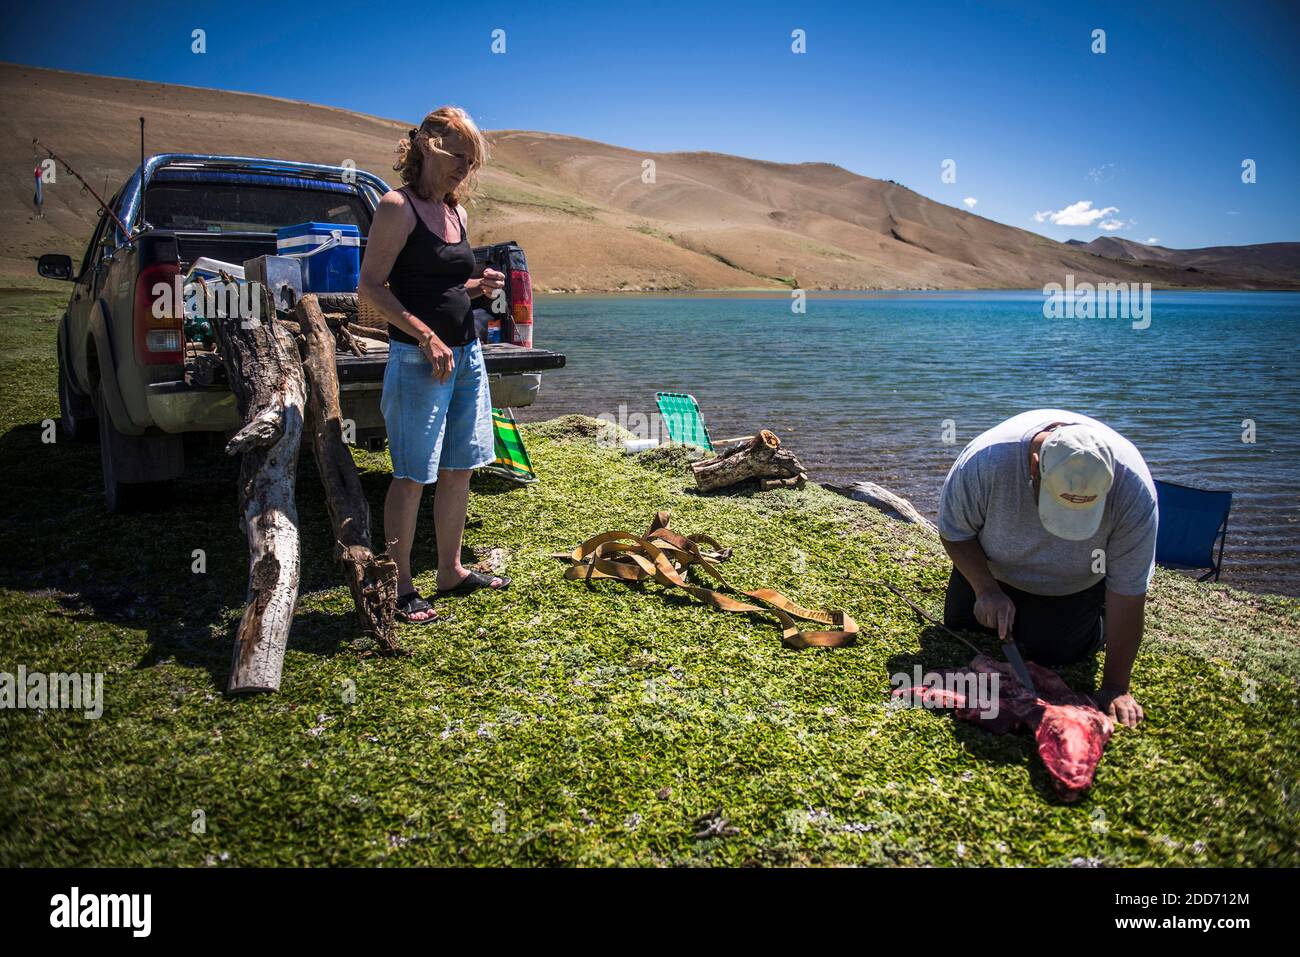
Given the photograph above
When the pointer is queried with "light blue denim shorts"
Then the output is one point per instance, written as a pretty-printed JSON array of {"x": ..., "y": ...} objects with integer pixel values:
[{"x": 436, "y": 425}]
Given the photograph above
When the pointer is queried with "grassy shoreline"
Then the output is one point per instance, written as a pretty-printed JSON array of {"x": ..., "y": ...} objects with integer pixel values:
[{"x": 559, "y": 723}]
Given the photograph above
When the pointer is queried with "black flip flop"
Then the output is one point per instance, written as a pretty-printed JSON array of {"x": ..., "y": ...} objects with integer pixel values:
[
  {"x": 474, "y": 581},
  {"x": 412, "y": 604}
]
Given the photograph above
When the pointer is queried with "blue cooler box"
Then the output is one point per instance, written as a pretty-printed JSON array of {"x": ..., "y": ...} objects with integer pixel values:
[{"x": 330, "y": 254}]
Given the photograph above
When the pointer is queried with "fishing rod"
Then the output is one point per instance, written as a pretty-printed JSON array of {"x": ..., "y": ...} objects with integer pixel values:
[
  {"x": 90, "y": 189},
  {"x": 144, "y": 223}
]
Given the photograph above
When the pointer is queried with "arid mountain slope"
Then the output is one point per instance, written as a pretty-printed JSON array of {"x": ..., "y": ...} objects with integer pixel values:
[
  {"x": 583, "y": 210},
  {"x": 1262, "y": 261}
]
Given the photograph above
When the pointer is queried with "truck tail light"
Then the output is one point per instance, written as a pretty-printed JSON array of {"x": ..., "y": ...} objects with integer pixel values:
[
  {"x": 521, "y": 306},
  {"x": 159, "y": 308}
]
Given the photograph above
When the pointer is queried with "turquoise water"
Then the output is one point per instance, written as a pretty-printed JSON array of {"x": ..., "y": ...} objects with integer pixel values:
[{"x": 861, "y": 384}]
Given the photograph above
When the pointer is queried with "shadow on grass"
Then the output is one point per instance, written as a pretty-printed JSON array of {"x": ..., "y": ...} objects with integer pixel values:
[
  {"x": 140, "y": 570},
  {"x": 746, "y": 489},
  {"x": 939, "y": 652}
]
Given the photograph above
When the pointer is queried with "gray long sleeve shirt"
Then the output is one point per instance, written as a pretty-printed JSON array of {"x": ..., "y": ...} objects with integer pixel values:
[{"x": 989, "y": 495}]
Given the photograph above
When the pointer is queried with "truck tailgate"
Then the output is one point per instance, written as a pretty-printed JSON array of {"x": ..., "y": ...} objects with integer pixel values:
[{"x": 501, "y": 358}]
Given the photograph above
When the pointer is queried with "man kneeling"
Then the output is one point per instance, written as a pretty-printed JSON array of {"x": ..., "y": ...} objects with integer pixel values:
[{"x": 1050, "y": 521}]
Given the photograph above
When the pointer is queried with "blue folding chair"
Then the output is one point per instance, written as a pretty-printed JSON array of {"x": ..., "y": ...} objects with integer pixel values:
[{"x": 1192, "y": 522}]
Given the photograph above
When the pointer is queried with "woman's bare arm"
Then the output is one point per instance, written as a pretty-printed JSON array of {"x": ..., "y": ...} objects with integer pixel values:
[{"x": 387, "y": 236}]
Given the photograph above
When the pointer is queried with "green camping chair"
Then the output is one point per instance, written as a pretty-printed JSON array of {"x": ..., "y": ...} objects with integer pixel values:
[
  {"x": 681, "y": 415},
  {"x": 512, "y": 462}
]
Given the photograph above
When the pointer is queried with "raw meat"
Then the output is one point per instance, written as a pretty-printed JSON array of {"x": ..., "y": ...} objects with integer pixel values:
[{"x": 1069, "y": 729}]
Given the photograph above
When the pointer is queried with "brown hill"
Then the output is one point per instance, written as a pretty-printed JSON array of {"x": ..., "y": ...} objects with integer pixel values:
[
  {"x": 1262, "y": 261},
  {"x": 579, "y": 208}
]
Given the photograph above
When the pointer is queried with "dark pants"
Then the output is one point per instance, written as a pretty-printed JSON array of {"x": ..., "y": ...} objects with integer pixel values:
[{"x": 1050, "y": 629}]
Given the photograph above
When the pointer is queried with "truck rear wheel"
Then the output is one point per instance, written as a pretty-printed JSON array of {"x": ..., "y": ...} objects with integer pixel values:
[
  {"x": 345, "y": 302},
  {"x": 76, "y": 412},
  {"x": 138, "y": 469}
]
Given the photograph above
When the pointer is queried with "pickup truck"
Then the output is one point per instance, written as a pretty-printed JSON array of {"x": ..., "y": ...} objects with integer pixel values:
[{"x": 124, "y": 375}]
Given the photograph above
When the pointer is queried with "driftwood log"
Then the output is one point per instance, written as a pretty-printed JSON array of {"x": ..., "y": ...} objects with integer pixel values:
[
  {"x": 355, "y": 345},
  {"x": 752, "y": 457},
  {"x": 724, "y": 447},
  {"x": 265, "y": 373},
  {"x": 795, "y": 481},
  {"x": 371, "y": 578},
  {"x": 879, "y": 497}
]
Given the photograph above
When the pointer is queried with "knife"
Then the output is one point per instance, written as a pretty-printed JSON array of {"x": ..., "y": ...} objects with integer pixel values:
[{"x": 1018, "y": 665}]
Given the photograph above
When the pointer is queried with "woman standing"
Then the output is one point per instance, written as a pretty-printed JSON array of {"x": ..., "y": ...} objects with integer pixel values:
[{"x": 436, "y": 405}]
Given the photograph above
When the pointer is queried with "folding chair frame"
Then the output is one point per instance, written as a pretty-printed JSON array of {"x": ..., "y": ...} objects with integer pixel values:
[
  {"x": 1216, "y": 567},
  {"x": 1222, "y": 536}
]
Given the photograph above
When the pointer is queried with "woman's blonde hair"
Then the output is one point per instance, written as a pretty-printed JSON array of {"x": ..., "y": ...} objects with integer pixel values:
[{"x": 435, "y": 126}]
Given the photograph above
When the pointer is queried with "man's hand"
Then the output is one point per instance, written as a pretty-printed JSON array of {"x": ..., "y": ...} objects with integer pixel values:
[
  {"x": 1119, "y": 705},
  {"x": 993, "y": 609}
]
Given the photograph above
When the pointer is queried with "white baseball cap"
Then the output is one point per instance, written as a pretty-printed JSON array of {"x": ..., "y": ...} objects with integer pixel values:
[{"x": 1076, "y": 469}]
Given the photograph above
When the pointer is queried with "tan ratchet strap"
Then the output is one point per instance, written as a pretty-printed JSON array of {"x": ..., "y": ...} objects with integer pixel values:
[{"x": 665, "y": 556}]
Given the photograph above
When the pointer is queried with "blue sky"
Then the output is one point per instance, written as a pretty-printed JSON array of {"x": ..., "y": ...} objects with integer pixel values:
[{"x": 1153, "y": 131}]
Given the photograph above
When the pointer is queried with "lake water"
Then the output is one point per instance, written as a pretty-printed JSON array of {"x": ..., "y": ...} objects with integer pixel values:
[{"x": 860, "y": 386}]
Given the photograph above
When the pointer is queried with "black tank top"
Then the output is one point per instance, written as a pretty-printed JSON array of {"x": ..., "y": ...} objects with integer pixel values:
[{"x": 428, "y": 278}]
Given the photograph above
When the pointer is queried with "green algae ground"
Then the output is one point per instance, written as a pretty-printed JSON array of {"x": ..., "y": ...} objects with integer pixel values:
[{"x": 564, "y": 723}]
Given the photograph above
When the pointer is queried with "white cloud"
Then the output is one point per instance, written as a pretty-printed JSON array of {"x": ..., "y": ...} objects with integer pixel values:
[
  {"x": 1153, "y": 241},
  {"x": 1112, "y": 225},
  {"x": 1076, "y": 214},
  {"x": 970, "y": 202},
  {"x": 1103, "y": 173}
]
